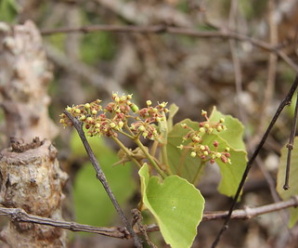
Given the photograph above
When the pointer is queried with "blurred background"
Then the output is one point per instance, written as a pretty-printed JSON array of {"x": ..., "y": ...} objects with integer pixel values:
[{"x": 239, "y": 55}]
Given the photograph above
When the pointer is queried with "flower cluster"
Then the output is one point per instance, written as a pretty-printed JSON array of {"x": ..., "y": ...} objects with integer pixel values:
[
  {"x": 118, "y": 116},
  {"x": 196, "y": 141}
]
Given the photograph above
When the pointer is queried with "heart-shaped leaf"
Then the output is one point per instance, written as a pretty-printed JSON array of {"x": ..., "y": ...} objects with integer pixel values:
[
  {"x": 176, "y": 205},
  {"x": 182, "y": 164},
  {"x": 234, "y": 133}
]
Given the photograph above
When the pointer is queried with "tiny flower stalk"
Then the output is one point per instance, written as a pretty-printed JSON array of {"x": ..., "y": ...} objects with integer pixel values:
[
  {"x": 163, "y": 126},
  {"x": 122, "y": 116},
  {"x": 151, "y": 159},
  {"x": 196, "y": 142},
  {"x": 127, "y": 152}
]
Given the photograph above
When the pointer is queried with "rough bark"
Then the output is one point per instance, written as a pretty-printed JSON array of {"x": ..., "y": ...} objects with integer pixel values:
[
  {"x": 24, "y": 77},
  {"x": 33, "y": 181},
  {"x": 30, "y": 177}
]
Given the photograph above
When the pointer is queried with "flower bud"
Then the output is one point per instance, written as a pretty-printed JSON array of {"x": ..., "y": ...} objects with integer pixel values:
[
  {"x": 206, "y": 125},
  {"x": 193, "y": 154},
  {"x": 202, "y": 130},
  {"x": 204, "y": 113},
  {"x": 134, "y": 107},
  {"x": 219, "y": 128},
  {"x": 180, "y": 147},
  {"x": 183, "y": 125},
  {"x": 82, "y": 118},
  {"x": 89, "y": 119},
  {"x": 141, "y": 128},
  {"x": 123, "y": 98},
  {"x": 121, "y": 124},
  {"x": 163, "y": 104},
  {"x": 218, "y": 154}
]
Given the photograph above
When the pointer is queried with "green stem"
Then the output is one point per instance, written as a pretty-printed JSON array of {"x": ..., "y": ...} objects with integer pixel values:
[
  {"x": 163, "y": 126},
  {"x": 128, "y": 129},
  {"x": 164, "y": 157},
  {"x": 154, "y": 148},
  {"x": 155, "y": 165},
  {"x": 126, "y": 134},
  {"x": 128, "y": 152},
  {"x": 198, "y": 172}
]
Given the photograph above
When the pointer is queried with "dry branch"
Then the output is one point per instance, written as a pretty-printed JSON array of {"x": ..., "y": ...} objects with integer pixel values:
[
  {"x": 158, "y": 29},
  {"x": 285, "y": 102},
  {"x": 102, "y": 178},
  {"x": 224, "y": 34},
  {"x": 19, "y": 215}
]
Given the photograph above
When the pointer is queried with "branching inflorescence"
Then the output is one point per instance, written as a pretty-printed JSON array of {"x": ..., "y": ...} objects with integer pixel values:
[
  {"x": 119, "y": 116},
  {"x": 122, "y": 116},
  {"x": 196, "y": 137},
  {"x": 204, "y": 142}
]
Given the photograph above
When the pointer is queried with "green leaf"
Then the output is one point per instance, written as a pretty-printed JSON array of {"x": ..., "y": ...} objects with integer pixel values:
[
  {"x": 92, "y": 205},
  {"x": 234, "y": 133},
  {"x": 293, "y": 190},
  {"x": 231, "y": 174},
  {"x": 176, "y": 205},
  {"x": 182, "y": 164},
  {"x": 173, "y": 109},
  {"x": 180, "y": 161}
]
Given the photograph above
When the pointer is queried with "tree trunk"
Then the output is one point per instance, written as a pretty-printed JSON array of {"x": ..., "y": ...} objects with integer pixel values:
[{"x": 30, "y": 177}]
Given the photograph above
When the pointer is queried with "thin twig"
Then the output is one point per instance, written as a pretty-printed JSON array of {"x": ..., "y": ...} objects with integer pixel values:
[
  {"x": 286, "y": 101},
  {"x": 19, "y": 215},
  {"x": 249, "y": 213},
  {"x": 222, "y": 34},
  {"x": 101, "y": 177},
  {"x": 290, "y": 146}
]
